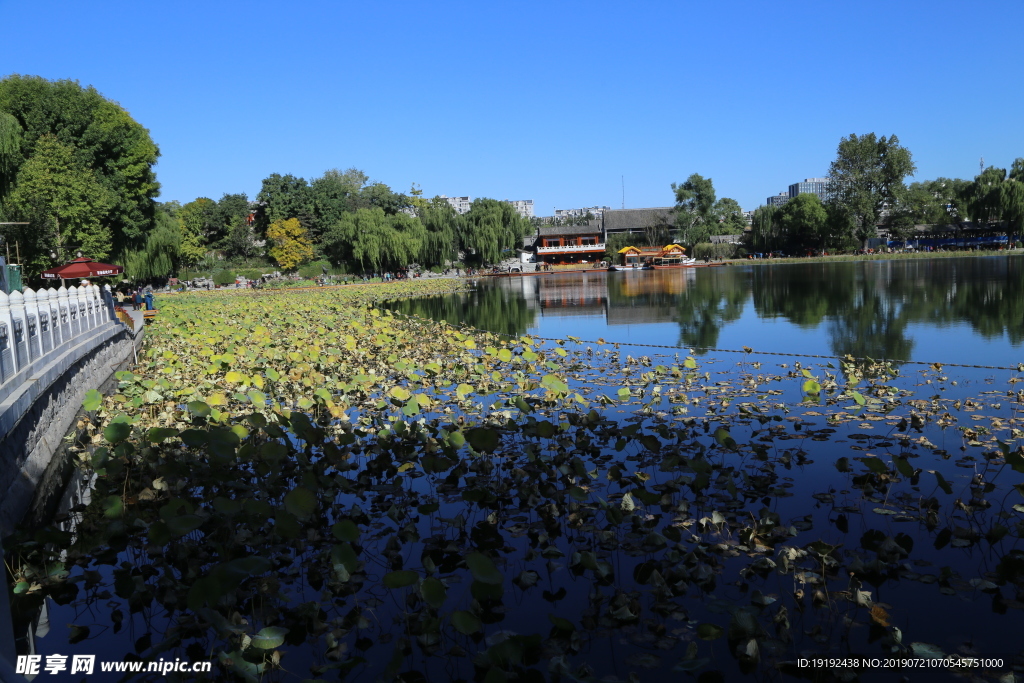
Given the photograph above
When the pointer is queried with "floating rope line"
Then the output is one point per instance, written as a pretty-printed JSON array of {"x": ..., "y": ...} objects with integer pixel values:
[{"x": 777, "y": 353}]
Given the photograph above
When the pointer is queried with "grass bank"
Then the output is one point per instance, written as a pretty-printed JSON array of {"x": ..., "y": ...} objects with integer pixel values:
[{"x": 881, "y": 257}]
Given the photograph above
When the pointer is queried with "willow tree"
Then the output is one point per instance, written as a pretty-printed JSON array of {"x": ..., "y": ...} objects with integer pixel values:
[
  {"x": 371, "y": 240},
  {"x": 161, "y": 255},
  {"x": 1011, "y": 195},
  {"x": 10, "y": 152},
  {"x": 983, "y": 197},
  {"x": 764, "y": 229},
  {"x": 443, "y": 225},
  {"x": 491, "y": 228}
]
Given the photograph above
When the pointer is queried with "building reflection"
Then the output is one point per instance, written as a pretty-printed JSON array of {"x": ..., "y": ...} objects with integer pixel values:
[{"x": 620, "y": 298}]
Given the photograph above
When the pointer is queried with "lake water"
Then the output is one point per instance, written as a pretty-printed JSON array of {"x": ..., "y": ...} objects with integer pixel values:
[
  {"x": 894, "y": 493},
  {"x": 948, "y": 310}
]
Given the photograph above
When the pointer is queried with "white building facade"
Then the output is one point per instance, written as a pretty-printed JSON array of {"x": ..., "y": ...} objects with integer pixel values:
[
  {"x": 524, "y": 207},
  {"x": 460, "y": 204}
]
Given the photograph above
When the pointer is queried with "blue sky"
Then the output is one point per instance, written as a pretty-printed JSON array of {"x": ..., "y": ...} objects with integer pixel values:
[{"x": 554, "y": 102}]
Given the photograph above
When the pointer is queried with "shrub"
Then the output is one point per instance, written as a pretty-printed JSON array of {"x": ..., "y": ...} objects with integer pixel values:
[
  {"x": 223, "y": 277},
  {"x": 715, "y": 251}
]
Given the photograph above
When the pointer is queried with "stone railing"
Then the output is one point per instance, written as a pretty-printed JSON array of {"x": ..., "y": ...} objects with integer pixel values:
[
  {"x": 36, "y": 326},
  {"x": 570, "y": 248}
]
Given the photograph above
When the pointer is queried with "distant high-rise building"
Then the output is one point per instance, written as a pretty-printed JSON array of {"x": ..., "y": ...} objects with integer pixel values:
[
  {"x": 809, "y": 186},
  {"x": 524, "y": 207},
  {"x": 778, "y": 200},
  {"x": 460, "y": 204},
  {"x": 595, "y": 211}
]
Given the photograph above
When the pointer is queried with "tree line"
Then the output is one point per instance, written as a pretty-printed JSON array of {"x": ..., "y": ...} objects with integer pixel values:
[
  {"x": 78, "y": 170},
  {"x": 867, "y": 189}
]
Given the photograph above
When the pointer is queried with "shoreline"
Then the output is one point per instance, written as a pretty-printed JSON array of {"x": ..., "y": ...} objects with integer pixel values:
[{"x": 878, "y": 257}]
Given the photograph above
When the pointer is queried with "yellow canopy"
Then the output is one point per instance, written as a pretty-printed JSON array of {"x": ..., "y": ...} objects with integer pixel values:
[
  {"x": 674, "y": 246},
  {"x": 628, "y": 249}
]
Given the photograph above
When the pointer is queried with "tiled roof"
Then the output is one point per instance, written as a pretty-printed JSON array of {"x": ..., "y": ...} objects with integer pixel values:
[{"x": 638, "y": 219}]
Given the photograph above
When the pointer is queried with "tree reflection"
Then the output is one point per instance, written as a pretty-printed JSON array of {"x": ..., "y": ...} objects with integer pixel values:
[
  {"x": 713, "y": 299},
  {"x": 496, "y": 309},
  {"x": 868, "y": 309}
]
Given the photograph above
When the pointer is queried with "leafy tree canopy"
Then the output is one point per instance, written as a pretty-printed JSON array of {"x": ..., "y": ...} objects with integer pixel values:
[
  {"x": 64, "y": 203},
  {"x": 291, "y": 244},
  {"x": 103, "y": 138},
  {"x": 868, "y": 174},
  {"x": 695, "y": 202}
]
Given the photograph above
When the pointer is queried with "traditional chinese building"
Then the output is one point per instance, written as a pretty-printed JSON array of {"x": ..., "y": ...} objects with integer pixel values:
[{"x": 570, "y": 243}]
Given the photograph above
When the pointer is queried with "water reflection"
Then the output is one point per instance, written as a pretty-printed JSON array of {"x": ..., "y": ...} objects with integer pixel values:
[{"x": 877, "y": 309}]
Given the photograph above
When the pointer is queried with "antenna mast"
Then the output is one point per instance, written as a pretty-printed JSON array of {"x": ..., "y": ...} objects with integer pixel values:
[{"x": 623, "y": 192}]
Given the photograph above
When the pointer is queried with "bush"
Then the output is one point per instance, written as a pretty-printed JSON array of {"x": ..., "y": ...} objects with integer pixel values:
[
  {"x": 314, "y": 269},
  {"x": 715, "y": 251},
  {"x": 224, "y": 277}
]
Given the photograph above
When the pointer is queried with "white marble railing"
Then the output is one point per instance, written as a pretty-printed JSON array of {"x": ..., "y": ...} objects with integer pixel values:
[
  {"x": 34, "y": 324},
  {"x": 571, "y": 248}
]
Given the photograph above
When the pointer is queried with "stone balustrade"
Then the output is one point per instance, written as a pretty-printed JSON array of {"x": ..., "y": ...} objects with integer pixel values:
[{"x": 38, "y": 325}]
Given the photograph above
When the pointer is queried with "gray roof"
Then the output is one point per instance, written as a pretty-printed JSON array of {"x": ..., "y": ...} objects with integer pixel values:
[
  {"x": 638, "y": 219},
  {"x": 592, "y": 228}
]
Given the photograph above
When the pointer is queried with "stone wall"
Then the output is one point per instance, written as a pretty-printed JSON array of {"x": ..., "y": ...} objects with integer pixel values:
[{"x": 35, "y": 419}]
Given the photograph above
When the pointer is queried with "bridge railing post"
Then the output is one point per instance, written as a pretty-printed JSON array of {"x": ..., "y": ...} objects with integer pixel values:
[
  {"x": 75, "y": 320},
  {"x": 8, "y": 366},
  {"x": 45, "y": 329},
  {"x": 32, "y": 340},
  {"x": 83, "y": 310},
  {"x": 94, "y": 305},
  {"x": 64, "y": 310},
  {"x": 53, "y": 313},
  {"x": 19, "y": 331}
]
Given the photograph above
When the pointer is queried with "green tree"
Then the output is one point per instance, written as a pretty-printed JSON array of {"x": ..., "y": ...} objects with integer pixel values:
[
  {"x": 371, "y": 240},
  {"x": 983, "y": 197},
  {"x": 868, "y": 175},
  {"x": 281, "y": 197},
  {"x": 104, "y": 139},
  {"x": 730, "y": 217},
  {"x": 764, "y": 229},
  {"x": 196, "y": 220},
  {"x": 443, "y": 225},
  {"x": 160, "y": 257},
  {"x": 291, "y": 245},
  {"x": 231, "y": 211},
  {"x": 10, "y": 152},
  {"x": 333, "y": 194},
  {"x": 695, "y": 202},
  {"x": 64, "y": 203},
  {"x": 381, "y": 196},
  {"x": 1011, "y": 197},
  {"x": 241, "y": 242},
  {"x": 490, "y": 229},
  {"x": 803, "y": 222}
]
